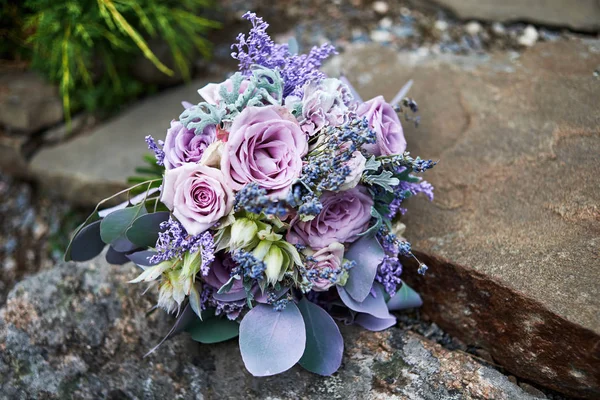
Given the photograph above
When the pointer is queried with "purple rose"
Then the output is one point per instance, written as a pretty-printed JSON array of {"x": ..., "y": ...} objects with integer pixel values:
[
  {"x": 324, "y": 103},
  {"x": 384, "y": 121},
  {"x": 357, "y": 166},
  {"x": 344, "y": 216},
  {"x": 265, "y": 146},
  {"x": 326, "y": 270},
  {"x": 183, "y": 146},
  {"x": 220, "y": 272},
  {"x": 198, "y": 196}
]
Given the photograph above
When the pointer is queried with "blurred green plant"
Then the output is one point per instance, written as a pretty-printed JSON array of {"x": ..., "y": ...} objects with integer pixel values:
[{"x": 87, "y": 46}]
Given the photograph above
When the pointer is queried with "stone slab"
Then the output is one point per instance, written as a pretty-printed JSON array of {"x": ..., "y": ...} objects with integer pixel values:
[
  {"x": 80, "y": 331},
  {"x": 27, "y": 102},
  {"x": 517, "y": 197},
  {"x": 580, "y": 15},
  {"x": 96, "y": 165}
]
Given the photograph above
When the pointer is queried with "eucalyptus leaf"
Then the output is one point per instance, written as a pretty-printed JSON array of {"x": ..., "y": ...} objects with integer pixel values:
[
  {"x": 373, "y": 305},
  {"x": 272, "y": 341},
  {"x": 86, "y": 243},
  {"x": 116, "y": 258},
  {"x": 145, "y": 229},
  {"x": 115, "y": 225},
  {"x": 405, "y": 298},
  {"x": 368, "y": 254},
  {"x": 372, "y": 231},
  {"x": 142, "y": 258},
  {"x": 213, "y": 329},
  {"x": 374, "y": 324},
  {"x": 324, "y": 342}
]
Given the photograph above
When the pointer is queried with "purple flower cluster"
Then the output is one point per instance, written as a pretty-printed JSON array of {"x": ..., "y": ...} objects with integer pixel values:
[
  {"x": 256, "y": 200},
  {"x": 259, "y": 49},
  {"x": 406, "y": 189},
  {"x": 248, "y": 265},
  {"x": 173, "y": 242}
]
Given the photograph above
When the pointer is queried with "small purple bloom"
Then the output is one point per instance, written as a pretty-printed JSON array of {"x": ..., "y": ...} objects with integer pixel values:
[
  {"x": 344, "y": 216},
  {"x": 326, "y": 267},
  {"x": 182, "y": 146},
  {"x": 384, "y": 121},
  {"x": 198, "y": 195},
  {"x": 221, "y": 271},
  {"x": 324, "y": 103}
]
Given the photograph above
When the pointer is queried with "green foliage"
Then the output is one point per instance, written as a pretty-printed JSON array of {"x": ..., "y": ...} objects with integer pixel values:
[{"x": 87, "y": 45}]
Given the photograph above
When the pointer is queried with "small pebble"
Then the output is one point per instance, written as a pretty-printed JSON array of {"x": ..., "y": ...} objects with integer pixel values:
[
  {"x": 381, "y": 7},
  {"x": 441, "y": 25},
  {"x": 473, "y": 28},
  {"x": 498, "y": 29},
  {"x": 381, "y": 36},
  {"x": 528, "y": 37},
  {"x": 386, "y": 23}
]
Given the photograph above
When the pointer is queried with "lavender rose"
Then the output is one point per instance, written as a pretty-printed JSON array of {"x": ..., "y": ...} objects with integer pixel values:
[
  {"x": 384, "y": 121},
  {"x": 325, "y": 272},
  {"x": 220, "y": 272},
  {"x": 324, "y": 103},
  {"x": 198, "y": 196},
  {"x": 344, "y": 216},
  {"x": 357, "y": 166},
  {"x": 265, "y": 146},
  {"x": 183, "y": 146}
]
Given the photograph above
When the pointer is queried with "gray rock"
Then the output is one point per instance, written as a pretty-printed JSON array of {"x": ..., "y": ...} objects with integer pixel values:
[
  {"x": 28, "y": 103},
  {"x": 580, "y": 15},
  {"x": 512, "y": 235},
  {"x": 96, "y": 165},
  {"x": 79, "y": 331}
]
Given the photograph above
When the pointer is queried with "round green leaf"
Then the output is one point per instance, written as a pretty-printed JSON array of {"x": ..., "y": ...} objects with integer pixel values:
[
  {"x": 86, "y": 244},
  {"x": 144, "y": 230},
  {"x": 115, "y": 224},
  {"x": 213, "y": 329},
  {"x": 324, "y": 342}
]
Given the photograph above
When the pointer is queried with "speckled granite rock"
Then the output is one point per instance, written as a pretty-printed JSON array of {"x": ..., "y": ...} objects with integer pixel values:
[
  {"x": 513, "y": 235},
  {"x": 79, "y": 331}
]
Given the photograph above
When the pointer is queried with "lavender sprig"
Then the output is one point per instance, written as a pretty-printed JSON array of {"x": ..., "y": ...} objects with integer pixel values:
[
  {"x": 158, "y": 151},
  {"x": 259, "y": 49},
  {"x": 174, "y": 242}
]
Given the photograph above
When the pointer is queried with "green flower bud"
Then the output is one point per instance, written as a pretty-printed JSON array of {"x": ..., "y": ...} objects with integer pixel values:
[
  {"x": 279, "y": 257},
  {"x": 243, "y": 234},
  {"x": 274, "y": 261}
]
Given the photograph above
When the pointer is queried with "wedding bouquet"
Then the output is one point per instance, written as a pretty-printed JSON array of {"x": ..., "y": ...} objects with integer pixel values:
[{"x": 271, "y": 216}]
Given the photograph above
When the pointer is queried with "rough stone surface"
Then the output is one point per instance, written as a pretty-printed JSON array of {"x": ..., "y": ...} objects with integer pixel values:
[
  {"x": 79, "y": 331},
  {"x": 581, "y": 15},
  {"x": 27, "y": 102},
  {"x": 96, "y": 165},
  {"x": 517, "y": 198}
]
